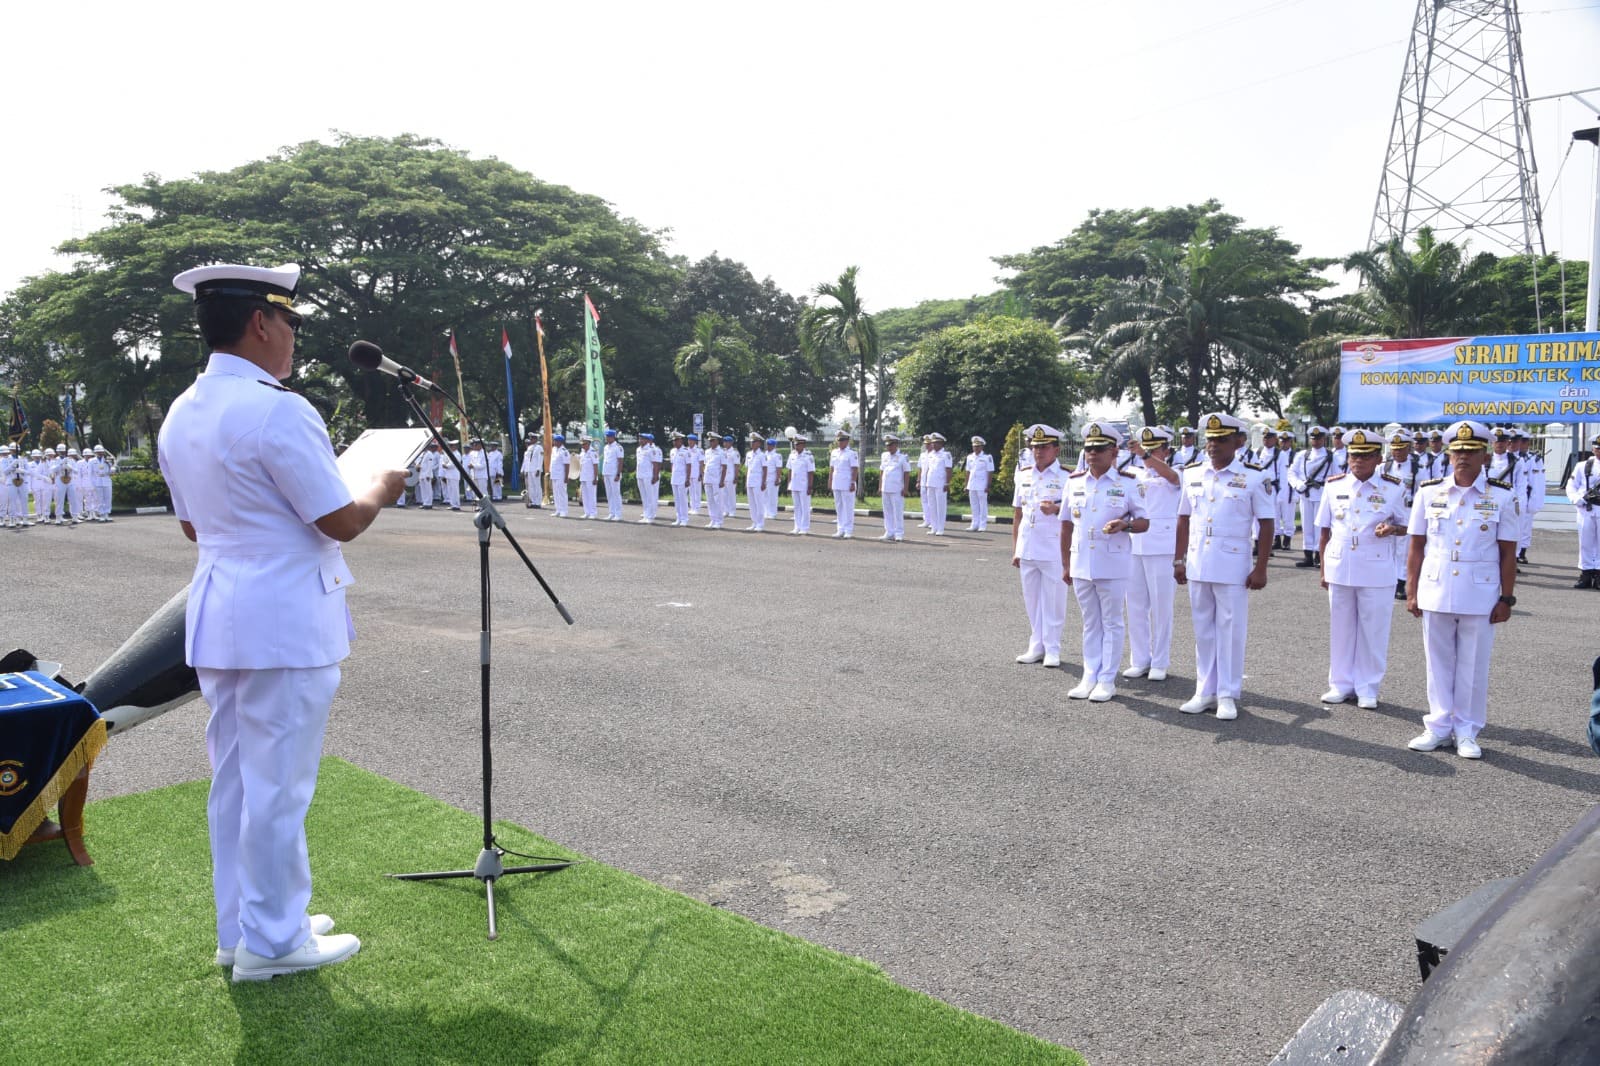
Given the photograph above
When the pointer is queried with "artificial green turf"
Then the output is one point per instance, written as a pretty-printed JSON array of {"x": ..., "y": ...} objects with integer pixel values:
[{"x": 112, "y": 964}]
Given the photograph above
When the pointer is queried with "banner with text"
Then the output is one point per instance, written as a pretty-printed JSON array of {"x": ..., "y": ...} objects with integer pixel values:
[{"x": 1540, "y": 377}]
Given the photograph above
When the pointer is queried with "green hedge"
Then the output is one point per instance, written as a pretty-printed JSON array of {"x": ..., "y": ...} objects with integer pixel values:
[{"x": 139, "y": 488}]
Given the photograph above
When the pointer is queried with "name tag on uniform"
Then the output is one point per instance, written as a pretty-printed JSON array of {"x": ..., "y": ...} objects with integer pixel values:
[
  {"x": 1438, "y": 503},
  {"x": 1342, "y": 496}
]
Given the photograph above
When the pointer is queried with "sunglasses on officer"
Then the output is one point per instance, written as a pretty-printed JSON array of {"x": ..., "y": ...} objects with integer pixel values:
[{"x": 1096, "y": 447}]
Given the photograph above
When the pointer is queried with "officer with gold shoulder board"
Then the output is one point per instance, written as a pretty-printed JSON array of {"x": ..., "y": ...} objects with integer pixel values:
[
  {"x": 1461, "y": 570},
  {"x": 254, "y": 484},
  {"x": 1037, "y": 548}
]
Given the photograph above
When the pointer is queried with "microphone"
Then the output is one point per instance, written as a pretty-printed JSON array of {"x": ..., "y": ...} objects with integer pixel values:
[{"x": 369, "y": 356}]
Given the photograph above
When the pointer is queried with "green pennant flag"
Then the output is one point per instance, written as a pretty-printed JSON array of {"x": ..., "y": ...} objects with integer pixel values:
[{"x": 595, "y": 416}]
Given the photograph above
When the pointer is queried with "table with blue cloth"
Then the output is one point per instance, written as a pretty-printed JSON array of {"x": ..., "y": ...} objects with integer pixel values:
[{"x": 49, "y": 737}]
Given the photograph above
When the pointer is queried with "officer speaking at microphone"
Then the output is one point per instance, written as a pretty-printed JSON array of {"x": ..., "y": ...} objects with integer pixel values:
[{"x": 254, "y": 484}]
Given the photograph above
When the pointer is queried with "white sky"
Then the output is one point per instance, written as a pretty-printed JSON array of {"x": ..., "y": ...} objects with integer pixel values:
[{"x": 913, "y": 139}]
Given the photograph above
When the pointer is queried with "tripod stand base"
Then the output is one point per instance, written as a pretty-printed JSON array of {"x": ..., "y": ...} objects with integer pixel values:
[{"x": 488, "y": 869}]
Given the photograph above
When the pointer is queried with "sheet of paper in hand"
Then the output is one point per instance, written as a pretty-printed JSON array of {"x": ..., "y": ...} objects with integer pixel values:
[{"x": 380, "y": 449}]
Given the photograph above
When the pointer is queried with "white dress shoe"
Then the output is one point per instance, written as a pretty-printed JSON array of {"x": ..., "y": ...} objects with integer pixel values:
[
  {"x": 847, "y": 536},
  {"x": 1468, "y": 748},
  {"x": 1227, "y": 710},
  {"x": 1333, "y": 695},
  {"x": 1052, "y": 659},
  {"x": 1367, "y": 703},
  {"x": 838, "y": 535},
  {"x": 316, "y": 951},
  {"x": 1136, "y": 671},
  {"x": 887, "y": 536},
  {"x": 1427, "y": 742},
  {"x": 1081, "y": 692},
  {"x": 1157, "y": 674},
  {"x": 1102, "y": 692},
  {"x": 1197, "y": 703},
  {"x": 1031, "y": 656},
  {"x": 321, "y": 925}
]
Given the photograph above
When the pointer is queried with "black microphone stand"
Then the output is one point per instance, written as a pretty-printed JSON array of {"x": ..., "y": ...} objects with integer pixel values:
[{"x": 488, "y": 868}]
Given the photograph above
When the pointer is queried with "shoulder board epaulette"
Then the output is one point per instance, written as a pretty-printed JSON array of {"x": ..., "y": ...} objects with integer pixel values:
[
  {"x": 1430, "y": 482},
  {"x": 1499, "y": 483},
  {"x": 1191, "y": 466},
  {"x": 1129, "y": 473},
  {"x": 1389, "y": 478},
  {"x": 273, "y": 385},
  {"x": 1254, "y": 466},
  {"x": 1078, "y": 473},
  {"x": 1334, "y": 477}
]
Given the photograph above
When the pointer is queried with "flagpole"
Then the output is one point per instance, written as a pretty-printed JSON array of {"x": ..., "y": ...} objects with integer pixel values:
[
  {"x": 544, "y": 380},
  {"x": 511, "y": 410},
  {"x": 461, "y": 397}
]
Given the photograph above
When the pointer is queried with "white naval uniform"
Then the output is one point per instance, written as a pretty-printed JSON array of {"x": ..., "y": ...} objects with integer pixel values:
[
  {"x": 1151, "y": 587},
  {"x": 1311, "y": 470},
  {"x": 730, "y": 486},
  {"x": 427, "y": 470},
  {"x": 251, "y": 469},
  {"x": 560, "y": 474},
  {"x": 645, "y": 458},
  {"x": 712, "y": 479},
  {"x": 1358, "y": 567},
  {"x": 611, "y": 457},
  {"x": 1409, "y": 473},
  {"x": 1101, "y": 564},
  {"x": 1584, "y": 480},
  {"x": 533, "y": 474},
  {"x": 1223, "y": 508},
  {"x": 802, "y": 468},
  {"x": 697, "y": 460},
  {"x": 980, "y": 469},
  {"x": 1038, "y": 555},
  {"x": 450, "y": 476},
  {"x": 477, "y": 464},
  {"x": 935, "y": 489},
  {"x": 1533, "y": 501},
  {"x": 894, "y": 471},
  {"x": 774, "y": 463},
  {"x": 588, "y": 462},
  {"x": 755, "y": 486},
  {"x": 13, "y": 496},
  {"x": 67, "y": 500},
  {"x": 1457, "y": 588},
  {"x": 842, "y": 462},
  {"x": 680, "y": 459},
  {"x": 497, "y": 473},
  {"x": 1279, "y": 461}
]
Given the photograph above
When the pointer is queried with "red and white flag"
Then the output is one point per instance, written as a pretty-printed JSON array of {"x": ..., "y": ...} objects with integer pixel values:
[
  {"x": 505, "y": 343},
  {"x": 589, "y": 306},
  {"x": 538, "y": 324}
]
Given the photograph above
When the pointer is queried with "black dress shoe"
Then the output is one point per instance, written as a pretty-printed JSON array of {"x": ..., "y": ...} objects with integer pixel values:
[
  {"x": 1308, "y": 562},
  {"x": 1399, "y": 590},
  {"x": 1585, "y": 580}
]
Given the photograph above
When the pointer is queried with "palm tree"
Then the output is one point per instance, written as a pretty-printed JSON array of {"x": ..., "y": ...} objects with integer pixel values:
[
  {"x": 1196, "y": 313},
  {"x": 846, "y": 324},
  {"x": 718, "y": 348},
  {"x": 1433, "y": 291}
]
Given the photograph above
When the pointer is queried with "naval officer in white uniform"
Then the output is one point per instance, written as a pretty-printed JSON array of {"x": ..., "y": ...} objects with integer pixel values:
[
  {"x": 1151, "y": 588},
  {"x": 1103, "y": 507},
  {"x": 1224, "y": 503},
  {"x": 1362, "y": 517},
  {"x": 254, "y": 484},
  {"x": 1460, "y": 572},
  {"x": 1037, "y": 548}
]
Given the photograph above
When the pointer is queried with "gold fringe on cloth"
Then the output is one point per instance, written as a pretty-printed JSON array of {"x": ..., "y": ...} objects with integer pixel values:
[{"x": 80, "y": 758}]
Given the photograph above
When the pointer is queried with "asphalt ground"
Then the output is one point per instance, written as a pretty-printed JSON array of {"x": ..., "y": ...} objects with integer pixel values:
[{"x": 832, "y": 738}]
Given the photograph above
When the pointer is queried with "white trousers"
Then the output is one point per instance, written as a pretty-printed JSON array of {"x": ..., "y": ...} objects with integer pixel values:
[
  {"x": 680, "y": 503},
  {"x": 802, "y": 513},
  {"x": 1100, "y": 604},
  {"x": 1358, "y": 637},
  {"x": 1527, "y": 519},
  {"x": 588, "y": 496},
  {"x": 16, "y": 502},
  {"x": 772, "y": 500},
  {"x": 730, "y": 498},
  {"x": 1150, "y": 593},
  {"x": 613, "y": 496},
  {"x": 756, "y": 497},
  {"x": 935, "y": 503},
  {"x": 1309, "y": 534},
  {"x": 714, "y": 505},
  {"x": 1457, "y": 646},
  {"x": 978, "y": 500},
  {"x": 105, "y": 499},
  {"x": 694, "y": 496},
  {"x": 66, "y": 496},
  {"x": 1285, "y": 505},
  {"x": 497, "y": 487},
  {"x": 452, "y": 491},
  {"x": 844, "y": 504},
  {"x": 558, "y": 496},
  {"x": 649, "y": 491},
  {"x": 425, "y": 491},
  {"x": 1221, "y": 615},
  {"x": 1588, "y": 537},
  {"x": 264, "y": 739},
  {"x": 894, "y": 514},
  {"x": 1044, "y": 596}
]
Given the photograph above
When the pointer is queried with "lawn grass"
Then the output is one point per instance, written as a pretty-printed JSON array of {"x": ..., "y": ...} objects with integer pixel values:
[{"x": 112, "y": 964}]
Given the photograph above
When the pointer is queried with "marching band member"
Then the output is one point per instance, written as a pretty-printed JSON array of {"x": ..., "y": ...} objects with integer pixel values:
[
  {"x": 1462, "y": 568},
  {"x": 1104, "y": 507},
  {"x": 1362, "y": 521},
  {"x": 13, "y": 488},
  {"x": 1222, "y": 498},
  {"x": 1151, "y": 585}
]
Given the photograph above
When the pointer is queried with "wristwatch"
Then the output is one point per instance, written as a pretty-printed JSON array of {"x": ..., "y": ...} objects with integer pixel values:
[{"x": 1509, "y": 601}]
